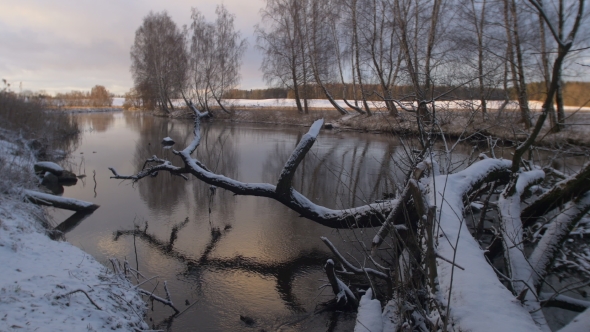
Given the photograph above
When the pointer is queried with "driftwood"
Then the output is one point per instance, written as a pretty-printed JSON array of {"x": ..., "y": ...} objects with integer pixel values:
[{"x": 40, "y": 198}]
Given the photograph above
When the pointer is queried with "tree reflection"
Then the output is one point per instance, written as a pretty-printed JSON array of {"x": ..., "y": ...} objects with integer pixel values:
[
  {"x": 164, "y": 192},
  {"x": 99, "y": 122},
  {"x": 283, "y": 272}
]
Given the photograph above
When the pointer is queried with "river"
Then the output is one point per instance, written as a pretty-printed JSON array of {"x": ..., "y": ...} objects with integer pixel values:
[
  {"x": 228, "y": 256},
  {"x": 233, "y": 255}
]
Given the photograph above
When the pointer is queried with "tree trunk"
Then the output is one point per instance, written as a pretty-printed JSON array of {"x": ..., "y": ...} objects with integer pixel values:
[
  {"x": 357, "y": 57},
  {"x": 523, "y": 99}
]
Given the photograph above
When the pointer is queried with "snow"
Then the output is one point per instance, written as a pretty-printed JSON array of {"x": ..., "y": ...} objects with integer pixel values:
[
  {"x": 49, "y": 166},
  {"x": 579, "y": 323},
  {"x": 324, "y": 103},
  {"x": 46, "y": 285},
  {"x": 167, "y": 140},
  {"x": 479, "y": 301},
  {"x": 37, "y": 270},
  {"x": 368, "y": 318},
  {"x": 75, "y": 204},
  {"x": 518, "y": 266}
]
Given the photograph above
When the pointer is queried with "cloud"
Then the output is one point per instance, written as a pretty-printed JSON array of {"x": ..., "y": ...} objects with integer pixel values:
[{"x": 63, "y": 45}]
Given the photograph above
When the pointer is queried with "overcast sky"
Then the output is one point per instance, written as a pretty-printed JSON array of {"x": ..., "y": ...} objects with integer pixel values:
[{"x": 64, "y": 45}]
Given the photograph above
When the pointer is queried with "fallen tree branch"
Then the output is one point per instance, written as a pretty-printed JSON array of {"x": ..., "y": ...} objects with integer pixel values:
[
  {"x": 349, "y": 266},
  {"x": 370, "y": 215},
  {"x": 557, "y": 232},
  {"x": 560, "y": 194},
  {"x": 563, "y": 302},
  {"x": 72, "y": 204}
]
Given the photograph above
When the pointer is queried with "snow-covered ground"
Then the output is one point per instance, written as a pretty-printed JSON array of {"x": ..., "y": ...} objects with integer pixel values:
[
  {"x": 324, "y": 103},
  {"x": 48, "y": 285}
]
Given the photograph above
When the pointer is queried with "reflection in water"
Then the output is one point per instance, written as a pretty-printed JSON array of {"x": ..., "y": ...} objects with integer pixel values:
[
  {"x": 284, "y": 272},
  {"x": 234, "y": 255}
]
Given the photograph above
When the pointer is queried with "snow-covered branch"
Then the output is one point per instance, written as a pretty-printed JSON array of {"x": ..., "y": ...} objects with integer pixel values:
[
  {"x": 570, "y": 188},
  {"x": 517, "y": 265},
  {"x": 166, "y": 302},
  {"x": 297, "y": 156},
  {"x": 478, "y": 298},
  {"x": 59, "y": 202},
  {"x": 57, "y": 297},
  {"x": 344, "y": 295},
  {"x": 370, "y": 215},
  {"x": 556, "y": 233},
  {"x": 564, "y": 302},
  {"x": 162, "y": 165}
]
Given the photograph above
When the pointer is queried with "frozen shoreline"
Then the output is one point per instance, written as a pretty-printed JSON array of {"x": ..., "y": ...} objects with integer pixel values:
[{"x": 49, "y": 285}]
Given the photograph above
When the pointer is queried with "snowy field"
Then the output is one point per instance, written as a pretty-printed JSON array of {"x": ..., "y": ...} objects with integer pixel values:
[
  {"x": 325, "y": 104},
  {"x": 48, "y": 285}
]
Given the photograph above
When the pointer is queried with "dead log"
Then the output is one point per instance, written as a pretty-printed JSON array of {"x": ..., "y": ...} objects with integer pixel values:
[
  {"x": 72, "y": 204},
  {"x": 560, "y": 194}
]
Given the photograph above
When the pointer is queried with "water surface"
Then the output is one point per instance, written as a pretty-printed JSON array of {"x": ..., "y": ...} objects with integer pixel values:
[
  {"x": 225, "y": 255},
  {"x": 232, "y": 255}
]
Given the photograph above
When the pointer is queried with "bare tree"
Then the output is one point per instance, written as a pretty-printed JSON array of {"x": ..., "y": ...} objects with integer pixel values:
[
  {"x": 100, "y": 96},
  {"x": 159, "y": 60},
  {"x": 215, "y": 57},
  {"x": 280, "y": 39},
  {"x": 321, "y": 48},
  {"x": 418, "y": 34}
]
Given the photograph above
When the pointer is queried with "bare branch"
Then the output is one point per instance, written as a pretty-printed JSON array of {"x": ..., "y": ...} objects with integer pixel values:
[
  {"x": 57, "y": 297},
  {"x": 348, "y": 265},
  {"x": 297, "y": 156}
]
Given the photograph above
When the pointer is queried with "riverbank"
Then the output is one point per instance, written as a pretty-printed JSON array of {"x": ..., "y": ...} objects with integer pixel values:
[
  {"x": 457, "y": 120},
  {"x": 49, "y": 285}
]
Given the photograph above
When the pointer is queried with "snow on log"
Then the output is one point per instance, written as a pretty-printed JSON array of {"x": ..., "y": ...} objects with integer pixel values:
[
  {"x": 479, "y": 301},
  {"x": 47, "y": 166},
  {"x": 580, "y": 323},
  {"x": 368, "y": 318},
  {"x": 518, "y": 267},
  {"x": 564, "y": 302},
  {"x": 562, "y": 192},
  {"x": 556, "y": 233},
  {"x": 59, "y": 202},
  {"x": 371, "y": 215}
]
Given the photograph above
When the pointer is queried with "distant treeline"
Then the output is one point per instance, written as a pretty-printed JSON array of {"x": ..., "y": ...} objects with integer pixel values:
[
  {"x": 575, "y": 93},
  {"x": 98, "y": 96}
]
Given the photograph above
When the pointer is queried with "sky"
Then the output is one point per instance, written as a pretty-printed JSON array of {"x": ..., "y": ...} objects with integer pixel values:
[{"x": 64, "y": 45}]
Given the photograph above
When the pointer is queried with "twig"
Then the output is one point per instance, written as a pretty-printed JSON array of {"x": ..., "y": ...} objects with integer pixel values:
[
  {"x": 159, "y": 299},
  {"x": 57, "y": 297}
]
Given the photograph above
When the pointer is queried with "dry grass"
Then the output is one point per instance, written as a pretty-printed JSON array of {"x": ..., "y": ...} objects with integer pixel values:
[
  {"x": 506, "y": 126},
  {"x": 467, "y": 123},
  {"x": 28, "y": 119},
  {"x": 28, "y": 133}
]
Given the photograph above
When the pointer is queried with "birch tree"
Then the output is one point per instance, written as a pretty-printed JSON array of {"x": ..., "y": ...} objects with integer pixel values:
[
  {"x": 215, "y": 57},
  {"x": 281, "y": 40},
  {"x": 159, "y": 61}
]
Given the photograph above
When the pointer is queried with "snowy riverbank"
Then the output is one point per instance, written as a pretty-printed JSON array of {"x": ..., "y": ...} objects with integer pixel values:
[{"x": 49, "y": 285}]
